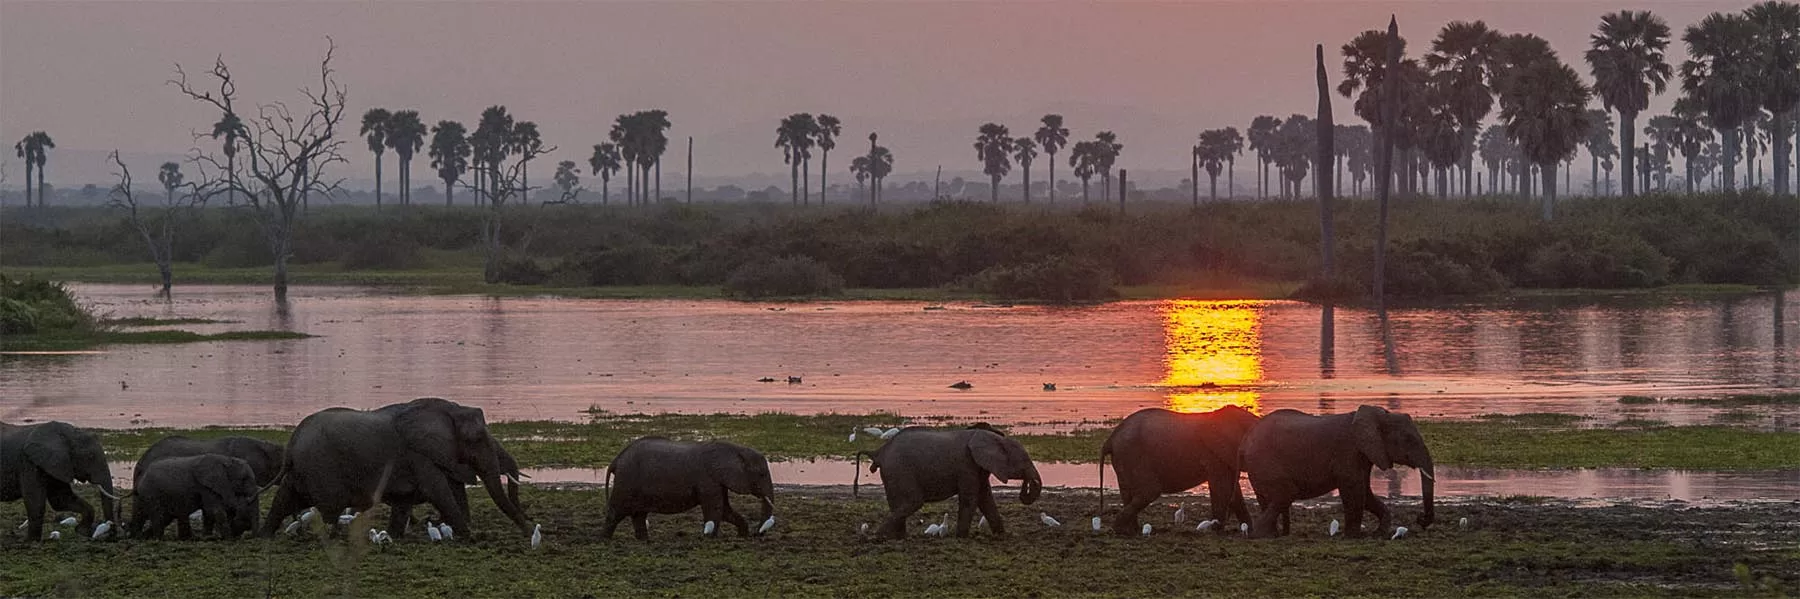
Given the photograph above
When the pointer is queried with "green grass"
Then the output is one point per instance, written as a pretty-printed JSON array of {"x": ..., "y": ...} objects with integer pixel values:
[
  {"x": 144, "y": 321},
  {"x": 1512, "y": 548},
  {"x": 1514, "y": 441},
  {"x": 73, "y": 342}
]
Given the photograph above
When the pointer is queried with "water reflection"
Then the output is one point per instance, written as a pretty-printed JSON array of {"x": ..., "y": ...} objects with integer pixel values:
[{"x": 1214, "y": 352}]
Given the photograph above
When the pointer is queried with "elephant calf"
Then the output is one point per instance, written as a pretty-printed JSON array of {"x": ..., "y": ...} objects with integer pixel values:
[
  {"x": 656, "y": 474},
  {"x": 924, "y": 464},
  {"x": 221, "y": 487},
  {"x": 263, "y": 457},
  {"x": 1292, "y": 455},
  {"x": 1156, "y": 451}
]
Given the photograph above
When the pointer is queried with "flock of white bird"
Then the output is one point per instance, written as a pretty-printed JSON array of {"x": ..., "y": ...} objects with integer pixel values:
[
  {"x": 875, "y": 431},
  {"x": 942, "y": 527}
]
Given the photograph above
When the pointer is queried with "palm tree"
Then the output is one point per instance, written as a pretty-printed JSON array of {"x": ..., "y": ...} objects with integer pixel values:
[
  {"x": 232, "y": 129},
  {"x": 624, "y": 136},
  {"x": 881, "y": 163},
  {"x": 490, "y": 144},
  {"x": 405, "y": 134},
  {"x": 1262, "y": 132},
  {"x": 1463, "y": 55},
  {"x": 1721, "y": 72},
  {"x": 374, "y": 131},
  {"x": 1082, "y": 158},
  {"x": 1365, "y": 72},
  {"x": 27, "y": 151},
  {"x": 1052, "y": 136},
  {"x": 1543, "y": 107},
  {"x": 44, "y": 145},
  {"x": 1106, "y": 153},
  {"x": 653, "y": 126},
  {"x": 1025, "y": 151},
  {"x": 1599, "y": 144},
  {"x": 170, "y": 178},
  {"x": 1212, "y": 153},
  {"x": 860, "y": 168},
  {"x": 793, "y": 137},
  {"x": 449, "y": 154},
  {"x": 604, "y": 164},
  {"x": 993, "y": 147},
  {"x": 1665, "y": 135},
  {"x": 525, "y": 140},
  {"x": 826, "y": 136},
  {"x": 34, "y": 149},
  {"x": 1626, "y": 58},
  {"x": 567, "y": 177},
  {"x": 1779, "y": 49},
  {"x": 1693, "y": 135},
  {"x": 1232, "y": 149}
]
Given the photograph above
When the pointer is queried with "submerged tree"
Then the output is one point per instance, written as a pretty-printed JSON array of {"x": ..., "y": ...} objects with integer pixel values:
[{"x": 156, "y": 223}]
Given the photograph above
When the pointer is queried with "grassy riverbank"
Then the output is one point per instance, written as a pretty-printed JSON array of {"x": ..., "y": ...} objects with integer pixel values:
[
  {"x": 41, "y": 315},
  {"x": 1513, "y": 547},
  {"x": 1531, "y": 441},
  {"x": 90, "y": 340}
]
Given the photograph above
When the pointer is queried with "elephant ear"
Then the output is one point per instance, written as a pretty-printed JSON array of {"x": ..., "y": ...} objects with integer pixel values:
[
  {"x": 730, "y": 467},
  {"x": 214, "y": 475},
  {"x": 429, "y": 430},
  {"x": 1225, "y": 434},
  {"x": 53, "y": 452},
  {"x": 1365, "y": 430},
  {"x": 988, "y": 449}
]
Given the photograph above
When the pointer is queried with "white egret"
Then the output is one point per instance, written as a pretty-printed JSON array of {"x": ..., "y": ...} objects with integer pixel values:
[
  {"x": 1047, "y": 520},
  {"x": 1096, "y": 524},
  {"x": 1181, "y": 514},
  {"x": 101, "y": 530},
  {"x": 69, "y": 521},
  {"x": 1462, "y": 522},
  {"x": 1244, "y": 528},
  {"x": 874, "y": 431},
  {"x": 292, "y": 528},
  {"x": 766, "y": 525},
  {"x": 889, "y": 434},
  {"x": 537, "y": 535},
  {"x": 1335, "y": 527},
  {"x": 864, "y": 529},
  {"x": 709, "y": 528},
  {"x": 197, "y": 516},
  {"x": 346, "y": 519},
  {"x": 432, "y": 531},
  {"x": 982, "y": 523},
  {"x": 55, "y": 534},
  {"x": 449, "y": 533},
  {"x": 1207, "y": 525},
  {"x": 932, "y": 530},
  {"x": 853, "y": 435},
  {"x": 1398, "y": 532},
  {"x": 382, "y": 538},
  {"x": 1146, "y": 529},
  {"x": 307, "y": 516},
  {"x": 374, "y": 534}
]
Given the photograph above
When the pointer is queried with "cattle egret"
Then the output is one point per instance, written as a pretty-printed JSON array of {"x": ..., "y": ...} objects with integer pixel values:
[
  {"x": 1096, "y": 524},
  {"x": 931, "y": 530},
  {"x": 197, "y": 516},
  {"x": 69, "y": 521},
  {"x": 767, "y": 524},
  {"x": 102, "y": 529},
  {"x": 432, "y": 531},
  {"x": 292, "y": 528},
  {"x": 709, "y": 528},
  {"x": 1181, "y": 514},
  {"x": 1244, "y": 527},
  {"x": 382, "y": 538},
  {"x": 1462, "y": 522},
  {"x": 307, "y": 515},
  {"x": 346, "y": 519},
  {"x": 1335, "y": 527},
  {"x": 982, "y": 523},
  {"x": 374, "y": 534},
  {"x": 1206, "y": 525},
  {"x": 852, "y": 435},
  {"x": 864, "y": 529},
  {"x": 449, "y": 533},
  {"x": 55, "y": 534},
  {"x": 1398, "y": 532},
  {"x": 889, "y": 433},
  {"x": 1047, "y": 520},
  {"x": 537, "y": 535},
  {"x": 1146, "y": 529},
  {"x": 874, "y": 431}
]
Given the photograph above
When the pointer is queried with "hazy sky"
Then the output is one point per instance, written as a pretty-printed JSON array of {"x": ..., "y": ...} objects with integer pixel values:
[{"x": 924, "y": 74}]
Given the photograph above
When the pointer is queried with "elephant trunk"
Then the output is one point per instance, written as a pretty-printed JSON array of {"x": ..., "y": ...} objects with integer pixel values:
[
  {"x": 1428, "y": 486},
  {"x": 491, "y": 482},
  {"x": 108, "y": 508},
  {"x": 1031, "y": 487}
]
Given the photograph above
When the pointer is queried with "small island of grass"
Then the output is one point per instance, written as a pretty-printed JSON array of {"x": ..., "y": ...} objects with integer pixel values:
[{"x": 41, "y": 316}]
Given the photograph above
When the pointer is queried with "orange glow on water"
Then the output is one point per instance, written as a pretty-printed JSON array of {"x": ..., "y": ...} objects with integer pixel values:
[{"x": 1214, "y": 351}]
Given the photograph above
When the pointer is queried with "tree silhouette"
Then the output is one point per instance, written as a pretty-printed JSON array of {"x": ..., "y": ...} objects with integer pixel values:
[
  {"x": 1082, "y": 158},
  {"x": 567, "y": 177},
  {"x": 860, "y": 168},
  {"x": 993, "y": 147},
  {"x": 156, "y": 224},
  {"x": 1106, "y": 154},
  {"x": 1052, "y": 136},
  {"x": 490, "y": 144},
  {"x": 1212, "y": 153},
  {"x": 1462, "y": 57},
  {"x": 1025, "y": 151},
  {"x": 1599, "y": 144},
  {"x": 525, "y": 141},
  {"x": 1262, "y": 132},
  {"x": 881, "y": 163},
  {"x": 604, "y": 164},
  {"x": 449, "y": 155},
  {"x": 35, "y": 149},
  {"x": 406, "y": 134},
  {"x": 795, "y": 137},
  {"x": 826, "y": 136},
  {"x": 1543, "y": 105},
  {"x": 375, "y": 130},
  {"x": 1721, "y": 71},
  {"x": 1626, "y": 59},
  {"x": 231, "y": 128},
  {"x": 1778, "y": 48}
]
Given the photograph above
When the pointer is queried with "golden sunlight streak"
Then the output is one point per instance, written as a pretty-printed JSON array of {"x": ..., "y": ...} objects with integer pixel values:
[{"x": 1213, "y": 346}]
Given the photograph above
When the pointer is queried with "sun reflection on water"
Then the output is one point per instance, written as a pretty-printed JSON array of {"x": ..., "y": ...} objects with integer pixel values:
[{"x": 1214, "y": 352}]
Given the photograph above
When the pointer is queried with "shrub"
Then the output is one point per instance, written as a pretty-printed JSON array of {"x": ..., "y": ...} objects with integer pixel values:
[
  {"x": 519, "y": 271},
  {"x": 787, "y": 276},
  {"x": 1057, "y": 279},
  {"x": 381, "y": 252},
  {"x": 16, "y": 317},
  {"x": 33, "y": 305},
  {"x": 634, "y": 265},
  {"x": 1598, "y": 260}
]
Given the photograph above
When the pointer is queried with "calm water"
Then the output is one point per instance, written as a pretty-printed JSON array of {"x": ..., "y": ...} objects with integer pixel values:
[{"x": 544, "y": 358}]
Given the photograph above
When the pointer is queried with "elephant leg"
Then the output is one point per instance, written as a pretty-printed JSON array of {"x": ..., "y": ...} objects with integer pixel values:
[
  {"x": 213, "y": 515},
  {"x": 461, "y": 493},
  {"x": 1234, "y": 496},
  {"x": 32, "y": 488},
  {"x": 399, "y": 518},
  {"x": 965, "y": 510},
  {"x": 1126, "y": 523},
  {"x": 1266, "y": 523},
  {"x": 732, "y": 515},
  {"x": 158, "y": 522},
  {"x": 1355, "y": 501},
  {"x": 640, "y": 526},
  {"x": 437, "y": 492},
  {"x": 288, "y": 502},
  {"x": 985, "y": 502},
  {"x": 711, "y": 506},
  {"x": 184, "y": 528},
  {"x": 64, "y": 499},
  {"x": 898, "y": 512},
  {"x": 1379, "y": 509}
]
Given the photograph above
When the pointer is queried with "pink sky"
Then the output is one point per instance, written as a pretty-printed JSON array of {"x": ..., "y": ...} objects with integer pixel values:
[{"x": 924, "y": 74}]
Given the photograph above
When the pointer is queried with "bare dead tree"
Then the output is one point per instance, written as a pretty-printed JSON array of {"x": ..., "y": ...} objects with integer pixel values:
[
  {"x": 283, "y": 154},
  {"x": 502, "y": 181},
  {"x": 155, "y": 222}
]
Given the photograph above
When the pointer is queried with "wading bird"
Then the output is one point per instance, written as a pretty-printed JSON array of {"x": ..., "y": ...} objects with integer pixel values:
[
  {"x": 889, "y": 433},
  {"x": 1181, "y": 514},
  {"x": 449, "y": 533},
  {"x": 1146, "y": 529},
  {"x": 537, "y": 535},
  {"x": 1047, "y": 520},
  {"x": 432, "y": 531},
  {"x": 1398, "y": 532},
  {"x": 1462, "y": 522},
  {"x": 101, "y": 530},
  {"x": 767, "y": 524},
  {"x": 69, "y": 521},
  {"x": 709, "y": 528},
  {"x": 1096, "y": 524}
]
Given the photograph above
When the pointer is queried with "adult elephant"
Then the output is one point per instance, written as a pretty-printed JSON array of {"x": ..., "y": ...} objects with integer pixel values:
[
  {"x": 922, "y": 464},
  {"x": 341, "y": 458},
  {"x": 400, "y": 512},
  {"x": 656, "y": 474},
  {"x": 1292, "y": 455},
  {"x": 40, "y": 462},
  {"x": 1157, "y": 451}
]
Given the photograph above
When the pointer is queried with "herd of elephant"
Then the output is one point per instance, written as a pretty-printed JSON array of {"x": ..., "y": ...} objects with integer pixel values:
[{"x": 429, "y": 450}]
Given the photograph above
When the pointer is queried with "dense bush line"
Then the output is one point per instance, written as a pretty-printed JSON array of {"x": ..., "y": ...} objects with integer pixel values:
[
  {"x": 1439, "y": 247},
  {"x": 32, "y": 306}
]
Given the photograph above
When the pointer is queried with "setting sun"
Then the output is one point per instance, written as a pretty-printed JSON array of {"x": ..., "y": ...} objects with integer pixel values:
[{"x": 1214, "y": 349}]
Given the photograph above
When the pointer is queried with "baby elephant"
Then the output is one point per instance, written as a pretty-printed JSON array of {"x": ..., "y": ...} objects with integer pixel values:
[
  {"x": 925, "y": 464},
  {"x": 263, "y": 457},
  {"x": 221, "y": 487},
  {"x": 656, "y": 474}
]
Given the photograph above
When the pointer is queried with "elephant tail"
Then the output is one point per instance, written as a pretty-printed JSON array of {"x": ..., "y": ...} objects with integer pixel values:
[
  {"x": 1106, "y": 449},
  {"x": 856, "y": 462}
]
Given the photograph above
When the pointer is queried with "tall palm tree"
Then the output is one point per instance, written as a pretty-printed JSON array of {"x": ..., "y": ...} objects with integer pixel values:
[
  {"x": 374, "y": 131},
  {"x": 1665, "y": 133},
  {"x": 44, "y": 145},
  {"x": 1365, "y": 75},
  {"x": 826, "y": 136},
  {"x": 1626, "y": 58},
  {"x": 1212, "y": 153},
  {"x": 567, "y": 177},
  {"x": 604, "y": 164},
  {"x": 525, "y": 140},
  {"x": 1543, "y": 107},
  {"x": 27, "y": 152},
  {"x": 1261, "y": 134},
  {"x": 231, "y": 128},
  {"x": 1106, "y": 154},
  {"x": 881, "y": 163},
  {"x": 794, "y": 136},
  {"x": 490, "y": 145},
  {"x": 1721, "y": 71},
  {"x": 1025, "y": 151},
  {"x": 653, "y": 127},
  {"x": 405, "y": 134},
  {"x": 1463, "y": 55},
  {"x": 449, "y": 154},
  {"x": 1082, "y": 160},
  {"x": 1599, "y": 144},
  {"x": 1778, "y": 47},
  {"x": 1052, "y": 136},
  {"x": 859, "y": 167},
  {"x": 1232, "y": 149},
  {"x": 624, "y": 136},
  {"x": 993, "y": 147},
  {"x": 170, "y": 177}
]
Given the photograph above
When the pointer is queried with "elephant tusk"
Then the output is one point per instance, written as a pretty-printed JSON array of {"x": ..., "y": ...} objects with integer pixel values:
[
  {"x": 1427, "y": 475},
  {"x": 120, "y": 497}
]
